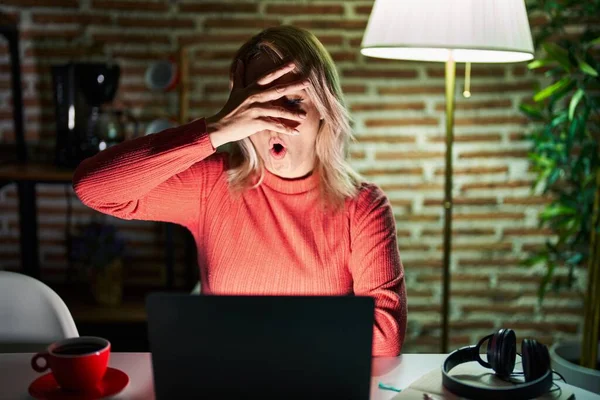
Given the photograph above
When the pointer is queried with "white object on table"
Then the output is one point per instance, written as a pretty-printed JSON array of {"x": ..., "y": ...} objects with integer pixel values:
[{"x": 16, "y": 375}]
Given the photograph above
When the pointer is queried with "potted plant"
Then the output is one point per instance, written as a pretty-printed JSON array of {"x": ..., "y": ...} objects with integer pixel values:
[
  {"x": 565, "y": 156},
  {"x": 99, "y": 248}
]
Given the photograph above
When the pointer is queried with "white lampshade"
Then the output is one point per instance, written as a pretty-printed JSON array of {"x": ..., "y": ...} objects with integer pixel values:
[{"x": 486, "y": 31}]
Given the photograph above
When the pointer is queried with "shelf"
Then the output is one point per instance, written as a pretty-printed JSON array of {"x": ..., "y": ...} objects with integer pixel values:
[{"x": 35, "y": 173}]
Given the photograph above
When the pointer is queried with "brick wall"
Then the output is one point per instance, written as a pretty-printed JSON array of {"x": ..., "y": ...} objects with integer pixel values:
[{"x": 398, "y": 109}]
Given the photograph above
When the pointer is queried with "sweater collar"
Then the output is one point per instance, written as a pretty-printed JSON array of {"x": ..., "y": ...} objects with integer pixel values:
[{"x": 291, "y": 186}]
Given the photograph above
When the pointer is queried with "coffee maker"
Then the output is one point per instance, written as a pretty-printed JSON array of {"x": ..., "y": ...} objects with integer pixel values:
[{"x": 79, "y": 91}]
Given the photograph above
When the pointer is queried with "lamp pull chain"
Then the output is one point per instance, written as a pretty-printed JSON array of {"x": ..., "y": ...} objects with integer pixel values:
[{"x": 467, "y": 91}]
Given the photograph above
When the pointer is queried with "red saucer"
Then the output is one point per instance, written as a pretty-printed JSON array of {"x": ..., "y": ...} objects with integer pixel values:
[{"x": 46, "y": 388}]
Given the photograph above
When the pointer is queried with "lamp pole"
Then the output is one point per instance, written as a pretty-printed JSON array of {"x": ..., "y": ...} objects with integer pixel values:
[{"x": 450, "y": 89}]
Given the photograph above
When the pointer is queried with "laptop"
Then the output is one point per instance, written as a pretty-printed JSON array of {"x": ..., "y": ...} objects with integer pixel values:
[{"x": 267, "y": 347}]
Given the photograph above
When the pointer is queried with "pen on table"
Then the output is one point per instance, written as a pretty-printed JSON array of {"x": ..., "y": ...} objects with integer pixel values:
[{"x": 388, "y": 387}]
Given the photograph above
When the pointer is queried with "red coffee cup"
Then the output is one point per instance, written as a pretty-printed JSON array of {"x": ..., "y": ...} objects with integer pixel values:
[{"x": 76, "y": 363}]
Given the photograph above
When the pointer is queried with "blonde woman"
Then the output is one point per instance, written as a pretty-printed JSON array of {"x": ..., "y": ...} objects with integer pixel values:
[{"x": 281, "y": 213}]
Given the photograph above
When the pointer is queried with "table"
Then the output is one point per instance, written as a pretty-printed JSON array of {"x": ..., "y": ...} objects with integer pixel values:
[{"x": 16, "y": 375}]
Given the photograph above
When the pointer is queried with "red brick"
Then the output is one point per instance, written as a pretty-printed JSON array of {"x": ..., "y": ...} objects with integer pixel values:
[
  {"x": 353, "y": 88},
  {"x": 477, "y": 105},
  {"x": 380, "y": 73},
  {"x": 363, "y": 10},
  {"x": 42, "y": 3},
  {"x": 545, "y": 326},
  {"x": 500, "y": 295},
  {"x": 400, "y": 202},
  {"x": 423, "y": 264},
  {"x": 460, "y": 232},
  {"x": 483, "y": 121},
  {"x": 407, "y": 90},
  {"x": 473, "y": 170},
  {"x": 412, "y": 292},
  {"x": 411, "y": 186},
  {"x": 392, "y": 171},
  {"x": 292, "y": 9},
  {"x": 418, "y": 218},
  {"x": 489, "y": 262},
  {"x": 502, "y": 87},
  {"x": 476, "y": 71},
  {"x": 463, "y": 201},
  {"x": 156, "y": 23},
  {"x": 491, "y": 216},
  {"x": 344, "y": 24},
  {"x": 527, "y": 232},
  {"x": 231, "y": 23},
  {"x": 79, "y": 18},
  {"x": 424, "y": 308},
  {"x": 402, "y": 233},
  {"x": 129, "y": 5},
  {"x": 129, "y": 54},
  {"x": 220, "y": 7},
  {"x": 339, "y": 56},
  {"x": 415, "y": 105},
  {"x": 518, "y": 184},
  {"x": 195, "y": 38},
  {"x": 428, "y": 278},
  {"x": 526, "y": 200},
  {"x": 423, "y": 121},
  {"x": 413, "y": 247},
  {"x": 45, "y": 34},
  {"x": 223, "y": 55},
  {"x": 563, "y": 310},
  {"x": 492, "y": 154},
  {"x": 498, "y": 309},
  {"x": 385, "y": 139},
  {"x": 357, "y": 154},
  {"x": 126, "y": 38},
  {"x": 407, "y": 155},
  {"x": 480, "y": 137},
  {"x": 480, "y": 246}
]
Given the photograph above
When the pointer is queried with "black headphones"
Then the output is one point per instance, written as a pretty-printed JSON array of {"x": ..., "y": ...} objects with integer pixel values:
[{"x": 501, "y": 354}]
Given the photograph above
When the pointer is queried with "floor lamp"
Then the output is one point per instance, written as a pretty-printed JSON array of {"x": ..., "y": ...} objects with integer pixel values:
[{"x": 449, "y": 31}]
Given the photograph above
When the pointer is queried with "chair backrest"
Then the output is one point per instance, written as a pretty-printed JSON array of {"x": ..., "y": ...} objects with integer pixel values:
[{"x": 31, "y": 314}]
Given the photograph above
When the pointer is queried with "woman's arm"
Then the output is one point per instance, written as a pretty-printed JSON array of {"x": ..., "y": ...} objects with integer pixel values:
[
  {"x": 157, "y": 177},
  {"x": 377, "y": 270}
]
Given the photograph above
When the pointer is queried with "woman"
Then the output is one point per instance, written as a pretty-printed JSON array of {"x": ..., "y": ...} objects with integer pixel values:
[{"x": 283, "y": 213}]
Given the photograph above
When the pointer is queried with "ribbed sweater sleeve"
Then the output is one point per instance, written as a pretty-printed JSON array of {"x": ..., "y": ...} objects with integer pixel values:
[
  {"x": 158, "y": 177},
  {"x": 377, "y": 270}
]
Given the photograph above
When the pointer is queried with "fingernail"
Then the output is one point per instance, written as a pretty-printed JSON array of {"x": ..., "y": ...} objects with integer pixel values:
[
  {"x": 303, "y": 116},
  {"x": 305, "y": 83},
  {"x": 291, "y": 65}
]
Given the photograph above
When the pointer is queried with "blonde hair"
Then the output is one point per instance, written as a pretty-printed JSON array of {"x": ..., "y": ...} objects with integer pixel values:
[{"x": 338, "y": 180}]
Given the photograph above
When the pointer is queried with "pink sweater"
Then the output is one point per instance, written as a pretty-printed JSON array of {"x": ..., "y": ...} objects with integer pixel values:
[{"x": 270, "y": 240}]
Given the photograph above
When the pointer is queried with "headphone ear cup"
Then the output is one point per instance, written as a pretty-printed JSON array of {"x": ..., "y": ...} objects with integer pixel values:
[
  {"x": 536, "y": 359},
  {"x": 503, "y": 352}
]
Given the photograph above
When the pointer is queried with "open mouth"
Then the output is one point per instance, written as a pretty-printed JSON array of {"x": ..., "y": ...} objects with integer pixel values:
[{"x": 277, "y": 149}]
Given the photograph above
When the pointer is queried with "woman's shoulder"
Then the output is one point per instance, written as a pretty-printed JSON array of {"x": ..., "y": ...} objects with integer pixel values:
[{"x": 368, "y": 195}]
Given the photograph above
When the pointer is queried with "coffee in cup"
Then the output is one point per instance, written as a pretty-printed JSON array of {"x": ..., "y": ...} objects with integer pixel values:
[{"x": 76, "y": 363}]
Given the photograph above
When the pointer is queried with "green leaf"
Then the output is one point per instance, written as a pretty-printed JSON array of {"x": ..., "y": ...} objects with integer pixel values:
[
  {"x": 556, "y": 210},
  {"x": 539, "y": 63},
  {"x": 558, "y": 54},
  {"x": 538, "y": 258},
  {"x": 594, "y": 42},
  {"x": 550, "y": 90},
  {"x": 531, "y": 111},
  {"x": 574, "y": 101},
  {"x": 587, "y": 68}
]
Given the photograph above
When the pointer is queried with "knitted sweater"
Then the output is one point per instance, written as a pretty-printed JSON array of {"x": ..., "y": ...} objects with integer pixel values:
[{"x": 271, "y": 240}]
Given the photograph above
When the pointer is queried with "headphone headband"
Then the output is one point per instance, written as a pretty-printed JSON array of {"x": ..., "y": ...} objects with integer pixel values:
[{"x": 526, "y": 390}]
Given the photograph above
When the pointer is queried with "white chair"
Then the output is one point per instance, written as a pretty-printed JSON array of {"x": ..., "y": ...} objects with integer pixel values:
[
  {"x": 31, "y": 315},
  {"x": 196, "y": 289}
]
